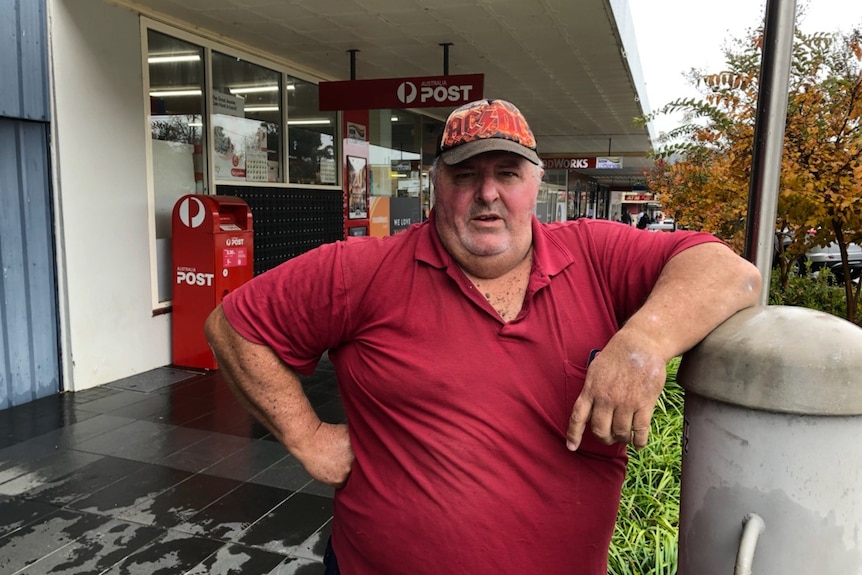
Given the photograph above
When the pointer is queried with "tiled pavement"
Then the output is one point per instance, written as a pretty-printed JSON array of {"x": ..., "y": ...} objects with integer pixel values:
[{"x": 161, "y": 473}]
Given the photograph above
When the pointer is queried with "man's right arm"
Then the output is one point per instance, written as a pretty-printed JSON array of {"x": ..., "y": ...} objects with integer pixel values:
[{"x": 272, "y": 393}]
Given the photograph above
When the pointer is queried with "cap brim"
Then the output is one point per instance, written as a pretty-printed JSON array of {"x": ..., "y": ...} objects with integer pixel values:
[{"x": 468, "y": 150}]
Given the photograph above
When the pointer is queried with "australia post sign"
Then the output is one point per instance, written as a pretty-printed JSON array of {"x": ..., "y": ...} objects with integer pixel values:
[{"x": 420, "y": 92}]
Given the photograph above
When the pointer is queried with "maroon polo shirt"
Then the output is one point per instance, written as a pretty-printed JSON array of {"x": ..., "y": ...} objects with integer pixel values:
[{"x": 458, "y": 419}]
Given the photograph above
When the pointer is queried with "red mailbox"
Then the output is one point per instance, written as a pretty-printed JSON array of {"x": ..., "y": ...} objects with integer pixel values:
[{"x": 212, "y": 254}]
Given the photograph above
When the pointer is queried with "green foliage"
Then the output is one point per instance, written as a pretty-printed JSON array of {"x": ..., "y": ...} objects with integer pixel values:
[
  {"x": 818, "y": 293},
  {"x": 645, "y": 535}
]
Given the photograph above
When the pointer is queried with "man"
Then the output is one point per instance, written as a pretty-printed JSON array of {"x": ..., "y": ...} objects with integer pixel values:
[
  {"x": 492, "y": 368},
  {"x": 627, "y": 217}
]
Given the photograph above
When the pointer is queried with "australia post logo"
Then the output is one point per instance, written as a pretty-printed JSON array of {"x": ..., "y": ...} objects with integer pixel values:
[
  {"x": 437, "y": 91},
  {"x": 192, "y": 213},
  {"x": 449, "y": 90}
]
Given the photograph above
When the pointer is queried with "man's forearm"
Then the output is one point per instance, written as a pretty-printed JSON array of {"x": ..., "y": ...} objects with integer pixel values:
[
  {"x": 698, "y": 289},
  {"x": 269, "y": 389}
]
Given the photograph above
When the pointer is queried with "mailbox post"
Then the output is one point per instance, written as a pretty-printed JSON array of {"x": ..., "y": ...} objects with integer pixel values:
[{"x": 212, "y": 254}]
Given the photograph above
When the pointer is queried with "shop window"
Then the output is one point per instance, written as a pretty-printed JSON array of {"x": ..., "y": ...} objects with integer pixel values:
[
  {"x": 176, "y": 88},
  {"x": 310, "y": 136},
  {"x": 246, "y": 120},
  {"x": 555, "y": 208},
  {"x": 396, "y": 153}
]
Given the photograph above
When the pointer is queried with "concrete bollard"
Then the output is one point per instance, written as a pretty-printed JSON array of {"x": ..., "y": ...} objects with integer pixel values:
[{"x": 773, "y": 432}]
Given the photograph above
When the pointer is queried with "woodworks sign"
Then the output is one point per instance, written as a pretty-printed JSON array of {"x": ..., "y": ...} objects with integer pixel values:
[
  {"x": 601, "y": 163},
  {"x": 420, "y": 92}
]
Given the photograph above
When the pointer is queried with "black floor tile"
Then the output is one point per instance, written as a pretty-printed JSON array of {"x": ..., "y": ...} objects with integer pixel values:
[
  {"x": 154, "y": 379},
  {"x": 286, "y": 473},
  {"x": 233, "y": 559},
  {"x": 91, "y": 394},
  {"x": 229, "y": 421},
  {"x": 172, "y": 553},
  {"x": 318, "y": 488},
  {"x": 26, "y": 453},
  {"x": 17, "y": 512},
  {"x": 160, "y": 477},
  {"x": 118, "y": 498},
  {"x": 249, "y": 461},
  {"x": 231, "y": 515},
  {"x": 46, "y": 471},
  {"x": 207, "y": 452},
  {"x": 73, "y": 435},
  {"x": 84, "y": 482},
  {"x": 112, "y": 401},
  {"x": 39, "y": 407},
  {"x": 314, "y": 547},
  {"x": 180, "y": 502},
  {"x": 184, "y": 408},
  {"x": 41, "y": 416},
  {"x": 95, "y": 550},
  {"x": 143, "y": 441},
  {"x": 298, "y": 566},
  {"x": 153, "y": 408},
  {"x": 290, "y": 524},
  {"x": 209, "y": 387},
  {"x": 36, "y": 540}
]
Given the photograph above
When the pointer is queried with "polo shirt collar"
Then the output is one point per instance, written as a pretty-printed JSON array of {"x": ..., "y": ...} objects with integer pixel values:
[{"x": 549, "y": 255}]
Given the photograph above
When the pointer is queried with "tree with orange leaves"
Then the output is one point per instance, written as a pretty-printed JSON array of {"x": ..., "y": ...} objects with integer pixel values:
[{"x": 703, "y": 168}]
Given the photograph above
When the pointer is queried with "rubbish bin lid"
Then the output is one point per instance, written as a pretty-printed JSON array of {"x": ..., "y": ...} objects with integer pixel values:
[{"x": 780, "y": 358}]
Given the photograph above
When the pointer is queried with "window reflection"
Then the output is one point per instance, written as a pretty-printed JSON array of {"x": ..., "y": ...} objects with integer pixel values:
[
  {"x": 403, "y": 146},
  {"x": 246, "y": 117},
  {"x": 310, "y": 135},
  {"x": 176, "y": 85}
]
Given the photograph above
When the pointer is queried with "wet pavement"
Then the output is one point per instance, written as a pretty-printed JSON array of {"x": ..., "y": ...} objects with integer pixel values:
[{"x": 164, "y": 473}]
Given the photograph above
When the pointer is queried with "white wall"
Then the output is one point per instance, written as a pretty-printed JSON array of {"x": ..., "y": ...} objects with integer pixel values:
[{"x": 109, "y": 331}]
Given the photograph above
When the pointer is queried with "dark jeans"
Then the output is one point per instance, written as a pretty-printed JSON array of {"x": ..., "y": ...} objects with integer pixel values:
[{"x": 329, "y": 561}]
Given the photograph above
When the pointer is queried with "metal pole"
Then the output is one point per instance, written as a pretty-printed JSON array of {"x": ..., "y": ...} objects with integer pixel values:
[
  {"x": 352, "y": 53},
  {"x": 769, "y": 137},
  {"x": 445, "y": 57}
]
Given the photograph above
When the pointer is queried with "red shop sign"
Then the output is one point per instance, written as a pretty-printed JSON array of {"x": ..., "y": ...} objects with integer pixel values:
[{"x": 419, "y": 92}]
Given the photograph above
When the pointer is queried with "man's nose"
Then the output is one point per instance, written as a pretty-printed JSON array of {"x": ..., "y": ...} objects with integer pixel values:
[{"x": 487, "y": 190}]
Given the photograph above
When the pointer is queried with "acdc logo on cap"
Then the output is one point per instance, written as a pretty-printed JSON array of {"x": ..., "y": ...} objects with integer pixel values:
[{"x": 495, "y": 119}]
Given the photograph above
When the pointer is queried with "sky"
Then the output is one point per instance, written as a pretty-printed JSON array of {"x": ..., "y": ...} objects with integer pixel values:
[{"x": 674, "y": 36}]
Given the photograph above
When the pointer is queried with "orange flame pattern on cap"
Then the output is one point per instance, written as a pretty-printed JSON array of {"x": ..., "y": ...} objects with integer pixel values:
[{"x": 487, "y": 119}]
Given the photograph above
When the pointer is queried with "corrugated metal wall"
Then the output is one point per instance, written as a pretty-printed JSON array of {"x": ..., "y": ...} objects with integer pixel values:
[
  {"x": 23, "y": 61},
  {"x": 29, "y": 349}
]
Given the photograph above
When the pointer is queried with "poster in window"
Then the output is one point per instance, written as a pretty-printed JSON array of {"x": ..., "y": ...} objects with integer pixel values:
[
  {"x": 241, "y": 149},
  {"x": 357, "y": 188}
]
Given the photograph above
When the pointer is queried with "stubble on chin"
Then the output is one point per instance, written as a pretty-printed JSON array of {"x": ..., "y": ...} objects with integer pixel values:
[{"x": 485, "y": 243}]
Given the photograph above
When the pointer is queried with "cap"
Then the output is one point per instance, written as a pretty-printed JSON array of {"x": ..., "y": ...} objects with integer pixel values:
[{"x": 486, "y": 126}]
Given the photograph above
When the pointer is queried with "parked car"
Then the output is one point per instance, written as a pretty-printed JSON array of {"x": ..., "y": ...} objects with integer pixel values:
[
  {"x": 820, "y": 257},
  {"x": 665, "y": 225}
]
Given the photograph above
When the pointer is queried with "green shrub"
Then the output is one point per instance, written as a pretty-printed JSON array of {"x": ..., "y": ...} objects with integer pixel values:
[
  {"x": 645, "y": 535},
  {"x": 818, "y": 293}
]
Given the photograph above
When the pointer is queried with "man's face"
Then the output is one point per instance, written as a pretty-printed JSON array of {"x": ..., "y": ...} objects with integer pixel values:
[{"x": 484, "y": 205}]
